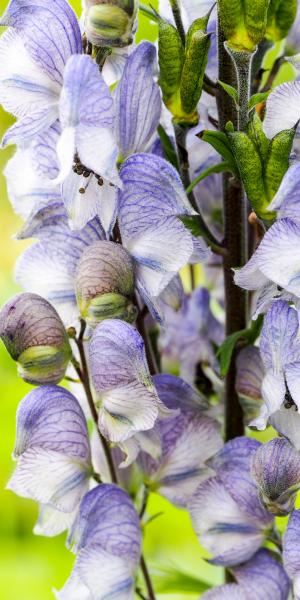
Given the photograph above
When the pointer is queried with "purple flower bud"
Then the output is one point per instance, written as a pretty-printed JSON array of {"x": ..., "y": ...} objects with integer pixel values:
[
  {"x": 276, "y": 470},
  {"x": 105, "y": 283},
  {"x": 35, "y": 337}
]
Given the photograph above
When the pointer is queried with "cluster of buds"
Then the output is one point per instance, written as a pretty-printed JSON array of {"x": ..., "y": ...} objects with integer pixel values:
[
  {"x": 182, "y": 68},
  {"x": 109, "y": 23}
]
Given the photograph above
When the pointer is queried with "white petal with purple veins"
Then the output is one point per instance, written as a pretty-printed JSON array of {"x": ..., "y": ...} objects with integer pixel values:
[{"x": 283, "y": 108}]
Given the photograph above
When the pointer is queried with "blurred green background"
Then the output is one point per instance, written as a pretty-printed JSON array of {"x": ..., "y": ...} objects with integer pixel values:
[{"x": 30, "y": 566}]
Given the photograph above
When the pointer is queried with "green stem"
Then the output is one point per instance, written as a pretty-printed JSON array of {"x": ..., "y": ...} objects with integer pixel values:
[{"x": 148, "y": 12}]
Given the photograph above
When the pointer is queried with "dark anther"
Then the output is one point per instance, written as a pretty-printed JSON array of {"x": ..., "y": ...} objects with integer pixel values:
[
  {"x": 100, "y": 180},
  {"x": 86, "y": 173},
  {"x": 288, "y": 400},
  {"x": 81, "y": 190}
]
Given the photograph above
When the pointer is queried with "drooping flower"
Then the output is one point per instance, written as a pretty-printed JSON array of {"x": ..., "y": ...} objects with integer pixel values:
[
  {"x": 188, "y": 440},
  {"x": 35, "y": 337},
  {"x": 226, "y": 510},
  {"x": 276, "y": 470},
  {"x": 126, "y": 397},
  {"x": 49, "y": 266},
  {"x": 107, "y": 540},
  {"x": 149, "y": 205},
  {"x": 53, "y": 455},
  {"x": 262, "y": 578},
  {"x": 280, "y": 352},
  {"x": 188, "y": 335},
  {"x": 291, "y": 560},
  {"x": 40, "y": 38}
]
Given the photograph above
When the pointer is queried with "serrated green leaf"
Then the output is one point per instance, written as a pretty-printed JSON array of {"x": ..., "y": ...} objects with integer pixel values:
[
  {"x": 257, "y": 98},
  {"x": 169, "y": 150},
  {"x": 226, "y": 349},
  {"x": 231, "y": 91}
]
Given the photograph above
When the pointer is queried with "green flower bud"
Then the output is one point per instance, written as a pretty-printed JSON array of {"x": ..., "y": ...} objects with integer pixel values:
[
  {"x": 256, "y": 133},
  {"x": 251, "y": 172},
  {"x": 278, "y": 160},
  {"x": 243, "y": 22},
  {"x": 110, "y": 23},
  {"x": 193, "y": 71},
  {"x": 171, "y": 58},
  {"x": 35, "y": 337},
  {"x": 105, "y": 283},
  {"x": 281, "y": 16}
]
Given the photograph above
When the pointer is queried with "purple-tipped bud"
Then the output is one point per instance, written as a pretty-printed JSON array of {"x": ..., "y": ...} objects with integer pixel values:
[
  {"x": 105, "y": 283},
  {"x": 110, "y": 22},
  {"x": 35, "y": 337}
]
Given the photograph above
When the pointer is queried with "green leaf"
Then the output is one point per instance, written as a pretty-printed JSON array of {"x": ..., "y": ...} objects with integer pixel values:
[
  {"x": 168, "y": 580},
  {"x": 257, "y": 98},
  {"x": 226, "y": 349},
  {"x": 219, "y": 141},
  {"x": 169, "y": 150},
  {"x": 231, "y": 91},
  {"x": 149, "y": 12},
  {"x": 219, "y": 168}
]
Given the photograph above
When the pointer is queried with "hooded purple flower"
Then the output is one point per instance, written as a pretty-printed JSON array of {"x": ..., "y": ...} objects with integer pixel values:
[
  {"x": 291, "y": 556},
  {"x": 53, "y": 456},
  {"x": 106, "y": 538}
]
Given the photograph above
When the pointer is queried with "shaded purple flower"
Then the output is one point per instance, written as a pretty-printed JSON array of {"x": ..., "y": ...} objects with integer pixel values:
[
  {"x": 149, "y": 205},
  {"x": 282, "y": 110},
  {"x": 280, "y": 353},
  {"x": 249, "y": 377},
  {"x": 53, "y": 455},
  {"x": 261, "y": 578},
  {"x": 40, "y": 38},
  {"x": 188, "y": 335},
  {"x": 226, "y": 510},
  {"x": 127, "y": 399},
  {"x": 291, "y": 555},
  {"x": 276, "y": 470},
  {"x": 107, "y": 540},
  {"x": 188, "y": 440}
]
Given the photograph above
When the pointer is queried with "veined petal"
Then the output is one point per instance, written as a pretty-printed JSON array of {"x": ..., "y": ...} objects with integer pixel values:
[
  {"x": 287, "y": 422},
  {"x": 176, "y": 393},
  {"x": 117, "y": 356},
  {"x": 52, "y": 522},
  {"x": 49, "y": 31},
  {"x": 273, "y": 394},
  {"x": 24, "y": 87},
  {"x": 92, "y": 155},
  {"x": 126, "y": 410},
  {"x": 276, "y": 470},
  {"x": 28, "y": 127},
  {"x": 152, "y": 191},
  {"x": 250, "y": 373},
  {"x": 138, "y": 101},
  {"x": 263, "y": 577},
  {"x": 291, "y": 559},
  {"x": 292, "y": 376},
  {"x": 236, "y": 453},
  {"x": 222, "y": 527},
  {"x": 278, "y": 336},
  {"x": 279, "y": 256},
  {"x": 286, "y": 200},
  {"x": 283, "y": 109},
  {"x": 250, "y": 276}
]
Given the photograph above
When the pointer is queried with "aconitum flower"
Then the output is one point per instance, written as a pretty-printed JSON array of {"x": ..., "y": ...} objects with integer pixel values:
[
  {"x": 188, "y": 440},
  {"x": 53, "y": 455},
  {"x": 249, "y": 377},
  {"x": 280, "y": 352},
  {"x": 40, "y": 38},
  {"x": 276, "y": 470},
  {"x": 226, "y": 510},
  {"x": 150, "y": 203},
  {"x": 189, "y": 334},
  {"x": 262, "y": 578},
  {"x": 105, "y": 283},
  {"x": 126, "y": 397},
  {"x": 107, "y": 540},
  {"x": 35, "y": 337},
  {"x": 291, "y": 557}
]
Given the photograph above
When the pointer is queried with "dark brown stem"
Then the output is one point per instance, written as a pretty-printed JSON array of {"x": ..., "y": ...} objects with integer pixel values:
[
  {"x": 147, "y": 579},
  {"x": 235, "y": 242},
  {"x": 140, "y": 323},
  {"x": 84, "y": 377}
]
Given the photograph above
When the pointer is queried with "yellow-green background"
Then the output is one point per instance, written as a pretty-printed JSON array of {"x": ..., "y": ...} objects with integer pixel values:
[{"x": 30, "y": 566}]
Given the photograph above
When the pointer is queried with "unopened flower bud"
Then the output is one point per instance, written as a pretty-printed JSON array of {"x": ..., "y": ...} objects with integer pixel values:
[
  {"x": 281, "y": 16},
  {"x": 105, "y": 283},
  {"x": 110, "y": 23},
  {"x": 35, "y": 337},
  {"x": 243, "y": 22}
]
